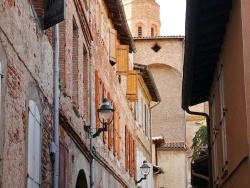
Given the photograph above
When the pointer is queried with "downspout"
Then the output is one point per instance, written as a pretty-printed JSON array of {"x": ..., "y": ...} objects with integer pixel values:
[
  {"x": 210, "y": 180},
  {"x": 56, "y": 108},
  {"x": 91, "y": 115}
]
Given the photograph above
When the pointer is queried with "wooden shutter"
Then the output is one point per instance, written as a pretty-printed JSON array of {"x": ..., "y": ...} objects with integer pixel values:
[
  {"x": 62, "y": 52},
  {"x": 34, "y": 146},
  {"x": 112, "y": 46},
  {"x": 130, "y": 154},
  {"x": 132, "y": 85},
  {"x": 97, "y": 97},
  {"x": 75, "y": 64},
  {"x": 122, "y": 59},
  {"x": 63, "y": 167},
  {"x": 126, "y": 148}
]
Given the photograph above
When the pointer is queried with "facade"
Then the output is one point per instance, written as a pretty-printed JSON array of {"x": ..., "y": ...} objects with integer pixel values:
[
  {"x": 164, "y": 57},
  {"x": 94, "y": 63},
  {"x": 216, "y": 69}
]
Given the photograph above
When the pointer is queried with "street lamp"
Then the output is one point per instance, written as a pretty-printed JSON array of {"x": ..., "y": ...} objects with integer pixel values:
[
  {"x": 144, "y": 171},
  {"x": 105, "y": 113}
]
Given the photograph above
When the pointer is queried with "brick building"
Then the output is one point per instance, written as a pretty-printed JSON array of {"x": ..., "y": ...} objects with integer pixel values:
[
  {"x": 164, "y": 57},
  {"x": 216, "y": 69},
  {"x": 95, "y": 61}
]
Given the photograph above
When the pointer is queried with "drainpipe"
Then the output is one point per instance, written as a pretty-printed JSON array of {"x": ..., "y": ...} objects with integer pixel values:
[
  {"x": 92, "y": 162},
  {"x": 210, "y": 180},
  {"x": 56, "y": 108}
]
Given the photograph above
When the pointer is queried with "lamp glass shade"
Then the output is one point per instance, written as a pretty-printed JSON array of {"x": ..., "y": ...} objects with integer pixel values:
[
  {"x": 145, "y": 168},
  {"x": 105, "y": 111}
]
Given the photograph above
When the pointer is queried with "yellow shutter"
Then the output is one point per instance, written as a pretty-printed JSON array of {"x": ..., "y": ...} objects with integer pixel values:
[
  {"x": 122, "y": 58},
  {"x": 112, "y": 46},
  {"x": 132, "y": 85}
]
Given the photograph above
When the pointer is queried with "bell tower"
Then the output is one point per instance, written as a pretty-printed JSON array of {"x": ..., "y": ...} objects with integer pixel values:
[{"x": 143, "y": 17}]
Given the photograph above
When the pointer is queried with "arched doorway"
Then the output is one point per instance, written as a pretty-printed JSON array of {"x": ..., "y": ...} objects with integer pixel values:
[{"x": 81, "y": 181}]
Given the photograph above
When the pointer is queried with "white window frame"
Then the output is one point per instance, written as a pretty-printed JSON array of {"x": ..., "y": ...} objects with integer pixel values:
[
  {"x": 223, "y": 119},
  {"x": 34, "y": 147}
]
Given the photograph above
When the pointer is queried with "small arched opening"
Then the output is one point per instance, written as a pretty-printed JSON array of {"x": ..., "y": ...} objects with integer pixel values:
[{"x": 81, "y": 181}]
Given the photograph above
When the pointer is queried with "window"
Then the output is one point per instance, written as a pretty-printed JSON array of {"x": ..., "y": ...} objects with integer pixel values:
[
  {"x": 122, "y": 59},
  {"x": 223, "y": 120},
  {"x": 75, "y": 65},
  {"x": 214, "y": 141},
  {"x": 112, "y": 46},
  {"x": 139, "y": 31},
  {"x": 132, "y": 85},
  {"x": 34, "y": 146},
  {"x": 130, "y": 152},
  {"x": 152, "y": 32}
]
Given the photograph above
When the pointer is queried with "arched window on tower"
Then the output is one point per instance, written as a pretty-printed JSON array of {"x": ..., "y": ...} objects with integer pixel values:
[
  {"x": 152, "y": 32},
  {"x": 139, "y": 31}
]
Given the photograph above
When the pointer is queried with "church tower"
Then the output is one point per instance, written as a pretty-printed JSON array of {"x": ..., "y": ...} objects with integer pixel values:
[{"x": 143, "y": 17}]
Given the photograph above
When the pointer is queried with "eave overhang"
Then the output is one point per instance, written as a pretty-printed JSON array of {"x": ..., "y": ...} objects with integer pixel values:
[
  {"x": 149, "y": 81},
  {"x": 117, "y": 14},
  {"x": 204, "y": 31}
]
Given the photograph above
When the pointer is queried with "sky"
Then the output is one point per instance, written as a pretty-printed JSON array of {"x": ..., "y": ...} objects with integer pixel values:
[{"x": 172, "y": 15}]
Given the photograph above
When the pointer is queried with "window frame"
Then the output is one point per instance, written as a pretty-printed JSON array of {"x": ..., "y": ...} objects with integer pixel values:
[{"x": 34, "y": 146}]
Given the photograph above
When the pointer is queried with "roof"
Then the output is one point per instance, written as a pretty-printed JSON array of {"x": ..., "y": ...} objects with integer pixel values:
[
  {"x": 117, "y": 14},
  {"x": 174, "y": 145},
  {"x": 149, "y": 81},
  {"x": 160, "y": 37},
  {"x": 205, "y": 27}
]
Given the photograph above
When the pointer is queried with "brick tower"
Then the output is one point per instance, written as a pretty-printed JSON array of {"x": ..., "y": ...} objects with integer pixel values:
[{"x": 143, "y": 17}]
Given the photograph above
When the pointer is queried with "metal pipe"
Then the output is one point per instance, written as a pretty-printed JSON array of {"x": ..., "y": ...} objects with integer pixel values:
[
  {"x": 56, "y": 107},
  {"x": 210, "y": 182}
]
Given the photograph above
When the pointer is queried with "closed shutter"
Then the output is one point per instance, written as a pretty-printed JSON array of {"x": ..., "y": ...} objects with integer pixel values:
[
  {"x": 126, "y": 148},
  {"x": 122, "y": 59},
  {"x": 97, "y": 97},
  {"x": 112, "y": 46},
  {"x": 62, "y": 51},
  {"x": 63, "y": 166},
  {"x": 132, "y": 85},
  {"x": 34, "y": 146},
  {"x": 130, "y": 154}
]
